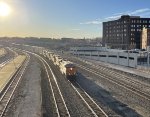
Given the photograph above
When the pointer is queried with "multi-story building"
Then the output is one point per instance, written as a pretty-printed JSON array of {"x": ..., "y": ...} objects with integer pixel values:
[
  {"x": 145, "y": 38},
  {"x": 124, "y": 33}
]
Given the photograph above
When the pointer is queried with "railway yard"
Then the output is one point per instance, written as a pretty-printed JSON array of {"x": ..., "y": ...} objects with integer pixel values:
[{"x": 32, "y": 85}]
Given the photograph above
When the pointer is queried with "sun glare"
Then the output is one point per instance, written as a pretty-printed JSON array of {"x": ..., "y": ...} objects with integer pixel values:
[{"x": 4, "y": 9}]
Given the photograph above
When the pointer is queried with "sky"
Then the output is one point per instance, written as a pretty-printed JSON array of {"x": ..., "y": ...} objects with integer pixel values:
[{"x": 66, "y": 18}]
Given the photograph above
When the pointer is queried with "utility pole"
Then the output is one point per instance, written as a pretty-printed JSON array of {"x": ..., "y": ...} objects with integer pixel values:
[{"x": 148, "y": 49}]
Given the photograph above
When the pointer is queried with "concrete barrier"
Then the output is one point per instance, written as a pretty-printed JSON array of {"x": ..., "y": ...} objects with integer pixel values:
[{"x": 115, "y": 57}]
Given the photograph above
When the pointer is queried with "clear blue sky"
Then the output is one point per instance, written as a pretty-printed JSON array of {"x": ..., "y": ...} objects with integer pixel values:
[{"x": 66, "y": 18}]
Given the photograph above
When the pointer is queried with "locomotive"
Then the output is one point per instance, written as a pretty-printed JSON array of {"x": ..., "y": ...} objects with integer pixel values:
[{"x": 66, "y": 67}]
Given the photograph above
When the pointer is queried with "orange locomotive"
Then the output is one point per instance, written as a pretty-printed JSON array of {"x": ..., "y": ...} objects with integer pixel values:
[
  {"x": 66, "y": 67},
  {"x": 70, "y": 70}
]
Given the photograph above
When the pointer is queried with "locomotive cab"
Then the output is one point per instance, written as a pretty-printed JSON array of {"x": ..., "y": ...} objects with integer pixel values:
[{"x": 70, "y": 71}]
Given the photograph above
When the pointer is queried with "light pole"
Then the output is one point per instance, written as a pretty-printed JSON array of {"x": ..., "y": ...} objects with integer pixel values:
[{"x": 148, "y": 48}]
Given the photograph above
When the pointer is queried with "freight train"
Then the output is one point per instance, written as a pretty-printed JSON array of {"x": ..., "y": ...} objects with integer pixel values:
[{"x": 66, "y": 67}]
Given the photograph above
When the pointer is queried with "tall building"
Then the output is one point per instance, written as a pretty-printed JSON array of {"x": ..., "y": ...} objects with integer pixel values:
[
  {"x": 145, "y": 38},
  {"x": 124, "y": 33}
]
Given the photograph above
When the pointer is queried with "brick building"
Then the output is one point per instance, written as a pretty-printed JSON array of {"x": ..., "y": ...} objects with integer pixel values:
[{"x": 124, "y": 33}]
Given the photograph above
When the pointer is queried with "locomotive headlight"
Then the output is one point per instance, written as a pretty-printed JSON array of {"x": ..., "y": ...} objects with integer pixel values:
[{"x": 71, "y": 69}]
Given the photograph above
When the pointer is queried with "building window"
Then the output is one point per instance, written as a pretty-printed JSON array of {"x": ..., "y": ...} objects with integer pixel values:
[
  {"x": 132, "y": 21},
  {"x": 138, "y": 26},
  {"x": 144, "y": 21},
  {"x": 132, "y": 29},
  {"x": 131, "y": 34},
  {"x": 138, "y": 29}
]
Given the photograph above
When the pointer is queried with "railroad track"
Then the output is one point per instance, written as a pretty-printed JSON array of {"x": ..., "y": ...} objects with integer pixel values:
[
  {"x": 145, "y": 87},
  {"x": 109, "y": 71},
  {"x": 136, "y": 85},
  {"x": 125, "y": 77},
  {"x": 15, "y": 53},
  {"x": 7, "y": 94},
  {"x": 91, "y": 104},
  {"x": 96, "y": 111},
  {"x": 4, "y": 63},
  {"x": 117, "y": 82},
  {"x": 93, "y": 109},
  {"x": 60, "y": 105}
]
